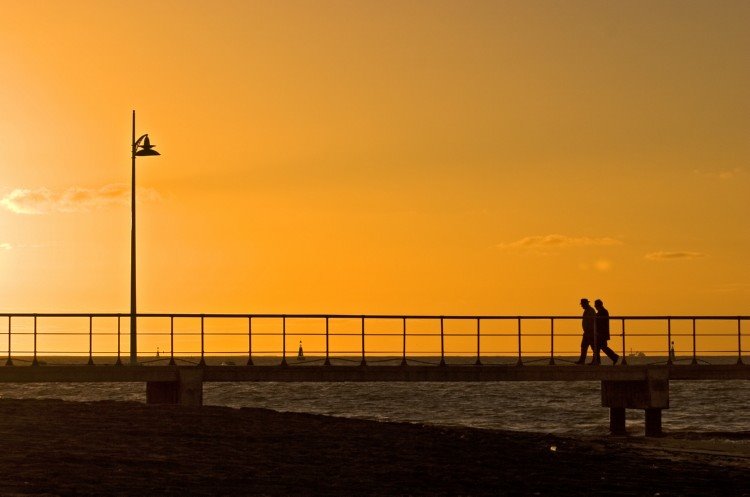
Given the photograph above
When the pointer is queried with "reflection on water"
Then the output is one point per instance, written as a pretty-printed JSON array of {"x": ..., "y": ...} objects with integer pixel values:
[{"x": 559, "y": 407}]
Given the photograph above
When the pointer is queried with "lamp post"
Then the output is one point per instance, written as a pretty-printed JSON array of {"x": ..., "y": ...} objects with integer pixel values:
[{"x": 145, "y": 149}]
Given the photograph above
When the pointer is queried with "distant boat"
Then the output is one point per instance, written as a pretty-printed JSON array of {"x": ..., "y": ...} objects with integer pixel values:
[{"x": 636, "y": 354}]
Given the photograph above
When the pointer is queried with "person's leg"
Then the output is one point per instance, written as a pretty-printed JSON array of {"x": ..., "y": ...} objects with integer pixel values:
[
  {"x": 610, "y": 353},
  {"x": 596, "y": 353},
  {"x": 584, "y": 350}
]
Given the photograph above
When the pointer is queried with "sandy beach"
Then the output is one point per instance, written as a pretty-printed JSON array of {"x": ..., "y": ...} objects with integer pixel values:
[{"x": 52, "y": 447}]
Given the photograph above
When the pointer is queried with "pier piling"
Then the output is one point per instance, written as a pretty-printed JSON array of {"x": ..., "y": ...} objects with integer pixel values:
[
  {"x": 651, "y": 395},
  {"x": 186, "y": 391},
  {"x": 617, "y": 420}
]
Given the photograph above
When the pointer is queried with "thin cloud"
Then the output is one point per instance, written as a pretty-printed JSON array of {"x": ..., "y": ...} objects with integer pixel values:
[
  {"x": 5, "y": 246},
  {"x": 723, "y": 175},
  {"x": 74, "y": 199},
  {"x": 547, "y": 242},
  {"x": 674, "y": 256}
]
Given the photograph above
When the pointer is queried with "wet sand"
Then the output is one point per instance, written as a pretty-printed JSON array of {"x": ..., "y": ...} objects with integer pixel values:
[{"x": 51, "y": 447}]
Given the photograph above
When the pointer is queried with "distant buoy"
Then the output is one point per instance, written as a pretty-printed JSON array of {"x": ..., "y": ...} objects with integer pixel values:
[{"x": 300, "y": 353}]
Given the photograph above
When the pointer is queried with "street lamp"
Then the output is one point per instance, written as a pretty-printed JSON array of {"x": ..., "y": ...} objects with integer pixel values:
[{"x": 141, "y": 147}]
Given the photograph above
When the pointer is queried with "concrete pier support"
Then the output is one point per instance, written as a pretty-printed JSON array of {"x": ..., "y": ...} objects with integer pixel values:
[
  {"x": 617, "y": 420},
  {"x": 651, "y": 395},
  {"x": 186, "y": 391},
  {"x": 653, "y": 422},
  {"x": 162, "y": 392}
]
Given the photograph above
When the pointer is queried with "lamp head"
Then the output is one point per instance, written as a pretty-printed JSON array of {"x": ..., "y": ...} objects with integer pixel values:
[{"x": 146, "y": 148}]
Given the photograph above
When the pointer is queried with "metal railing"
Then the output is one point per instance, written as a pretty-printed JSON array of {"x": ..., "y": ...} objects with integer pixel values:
[{"x": 342, "y": 338}]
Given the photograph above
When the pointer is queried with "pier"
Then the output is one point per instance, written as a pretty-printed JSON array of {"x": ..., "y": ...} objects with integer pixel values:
[
  {"x": 632, "y": 387},
  {"x": 389, "y": 348}
]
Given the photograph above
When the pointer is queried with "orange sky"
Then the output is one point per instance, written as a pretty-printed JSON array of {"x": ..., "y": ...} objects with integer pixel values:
[{"x": 495, "y": 157}]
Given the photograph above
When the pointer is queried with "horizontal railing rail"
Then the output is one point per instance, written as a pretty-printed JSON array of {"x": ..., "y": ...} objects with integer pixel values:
[{"x": 402, "y": 339}]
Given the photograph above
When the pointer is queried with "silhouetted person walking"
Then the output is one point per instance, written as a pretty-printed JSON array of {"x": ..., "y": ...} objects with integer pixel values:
[
  {"x": 588, "y": 323},
  {"x": 602, "y": 334}
]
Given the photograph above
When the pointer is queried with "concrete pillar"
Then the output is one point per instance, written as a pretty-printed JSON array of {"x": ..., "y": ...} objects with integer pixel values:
[
  {"x": 650, "y": 394},
  {"x": 191, "y": 387},
  {"x": 186, "y": 391},
  {"x": 162, "y": 392},
  {"x": 617, "y": 420},
  {"x": 653, "y": 422}
]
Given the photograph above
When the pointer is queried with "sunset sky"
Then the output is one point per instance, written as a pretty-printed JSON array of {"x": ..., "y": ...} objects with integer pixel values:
[{"x": 448, "y": 157}]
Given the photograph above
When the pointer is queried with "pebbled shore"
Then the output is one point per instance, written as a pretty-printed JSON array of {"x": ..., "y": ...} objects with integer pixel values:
[{"x": 51, "y": 447}]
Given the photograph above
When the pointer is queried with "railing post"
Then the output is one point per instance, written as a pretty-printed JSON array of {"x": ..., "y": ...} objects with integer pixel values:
[
  {"x": 739, "y": 341},
  {"x": 34, "y": 362},
  {"x": 519, "y": 362},
  {"x": 118, "y": 362},
  {"x": 283, "y": 341},
  {"x": 249, "y": 340},
  {"x": 327, "y": 362},
  {"x": 695, "y": 357},
  {"x": 552, "y": 341},
  {"x": 9, "y": 361},
  {"x": 91, "y": 340},
  {"x": 203, "y": 339},
  {"x": 478, "y": 362},
  {"x": 669, "y": 341},
  {"x": 364, "y": 362},
  {"x": 171, "y": 341},
  {"x": 442, "y": 343},
  {"x": 624, "y": 351},
  {"x": 403, "y": 341}
]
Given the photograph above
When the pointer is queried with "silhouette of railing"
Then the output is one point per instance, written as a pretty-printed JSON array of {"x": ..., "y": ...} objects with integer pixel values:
[{"x": 400, "y": 339}]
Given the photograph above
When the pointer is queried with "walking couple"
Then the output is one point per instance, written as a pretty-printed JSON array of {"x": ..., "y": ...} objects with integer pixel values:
[{"x": 595, "y": 333}]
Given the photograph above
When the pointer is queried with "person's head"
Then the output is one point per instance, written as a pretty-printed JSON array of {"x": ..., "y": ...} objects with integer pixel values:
[
  {"x": 598, "y": 303},
  {"x": 584, "y": 303}
]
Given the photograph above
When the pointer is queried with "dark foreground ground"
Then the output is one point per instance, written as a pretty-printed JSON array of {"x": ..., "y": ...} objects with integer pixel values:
[{"x": 52, "y": 447}]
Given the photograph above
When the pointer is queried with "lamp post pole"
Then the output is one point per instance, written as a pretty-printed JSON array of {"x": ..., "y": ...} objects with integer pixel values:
[
  {"x": 146, "y": 149},
  {"x": 133, "y": 324}
]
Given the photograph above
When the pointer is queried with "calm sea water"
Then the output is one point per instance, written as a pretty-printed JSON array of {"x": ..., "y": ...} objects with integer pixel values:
[{"x": 548, "y": 407}]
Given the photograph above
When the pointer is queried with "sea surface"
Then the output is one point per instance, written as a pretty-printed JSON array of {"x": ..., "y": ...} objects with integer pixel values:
[{"x": 546, "y": 407}]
